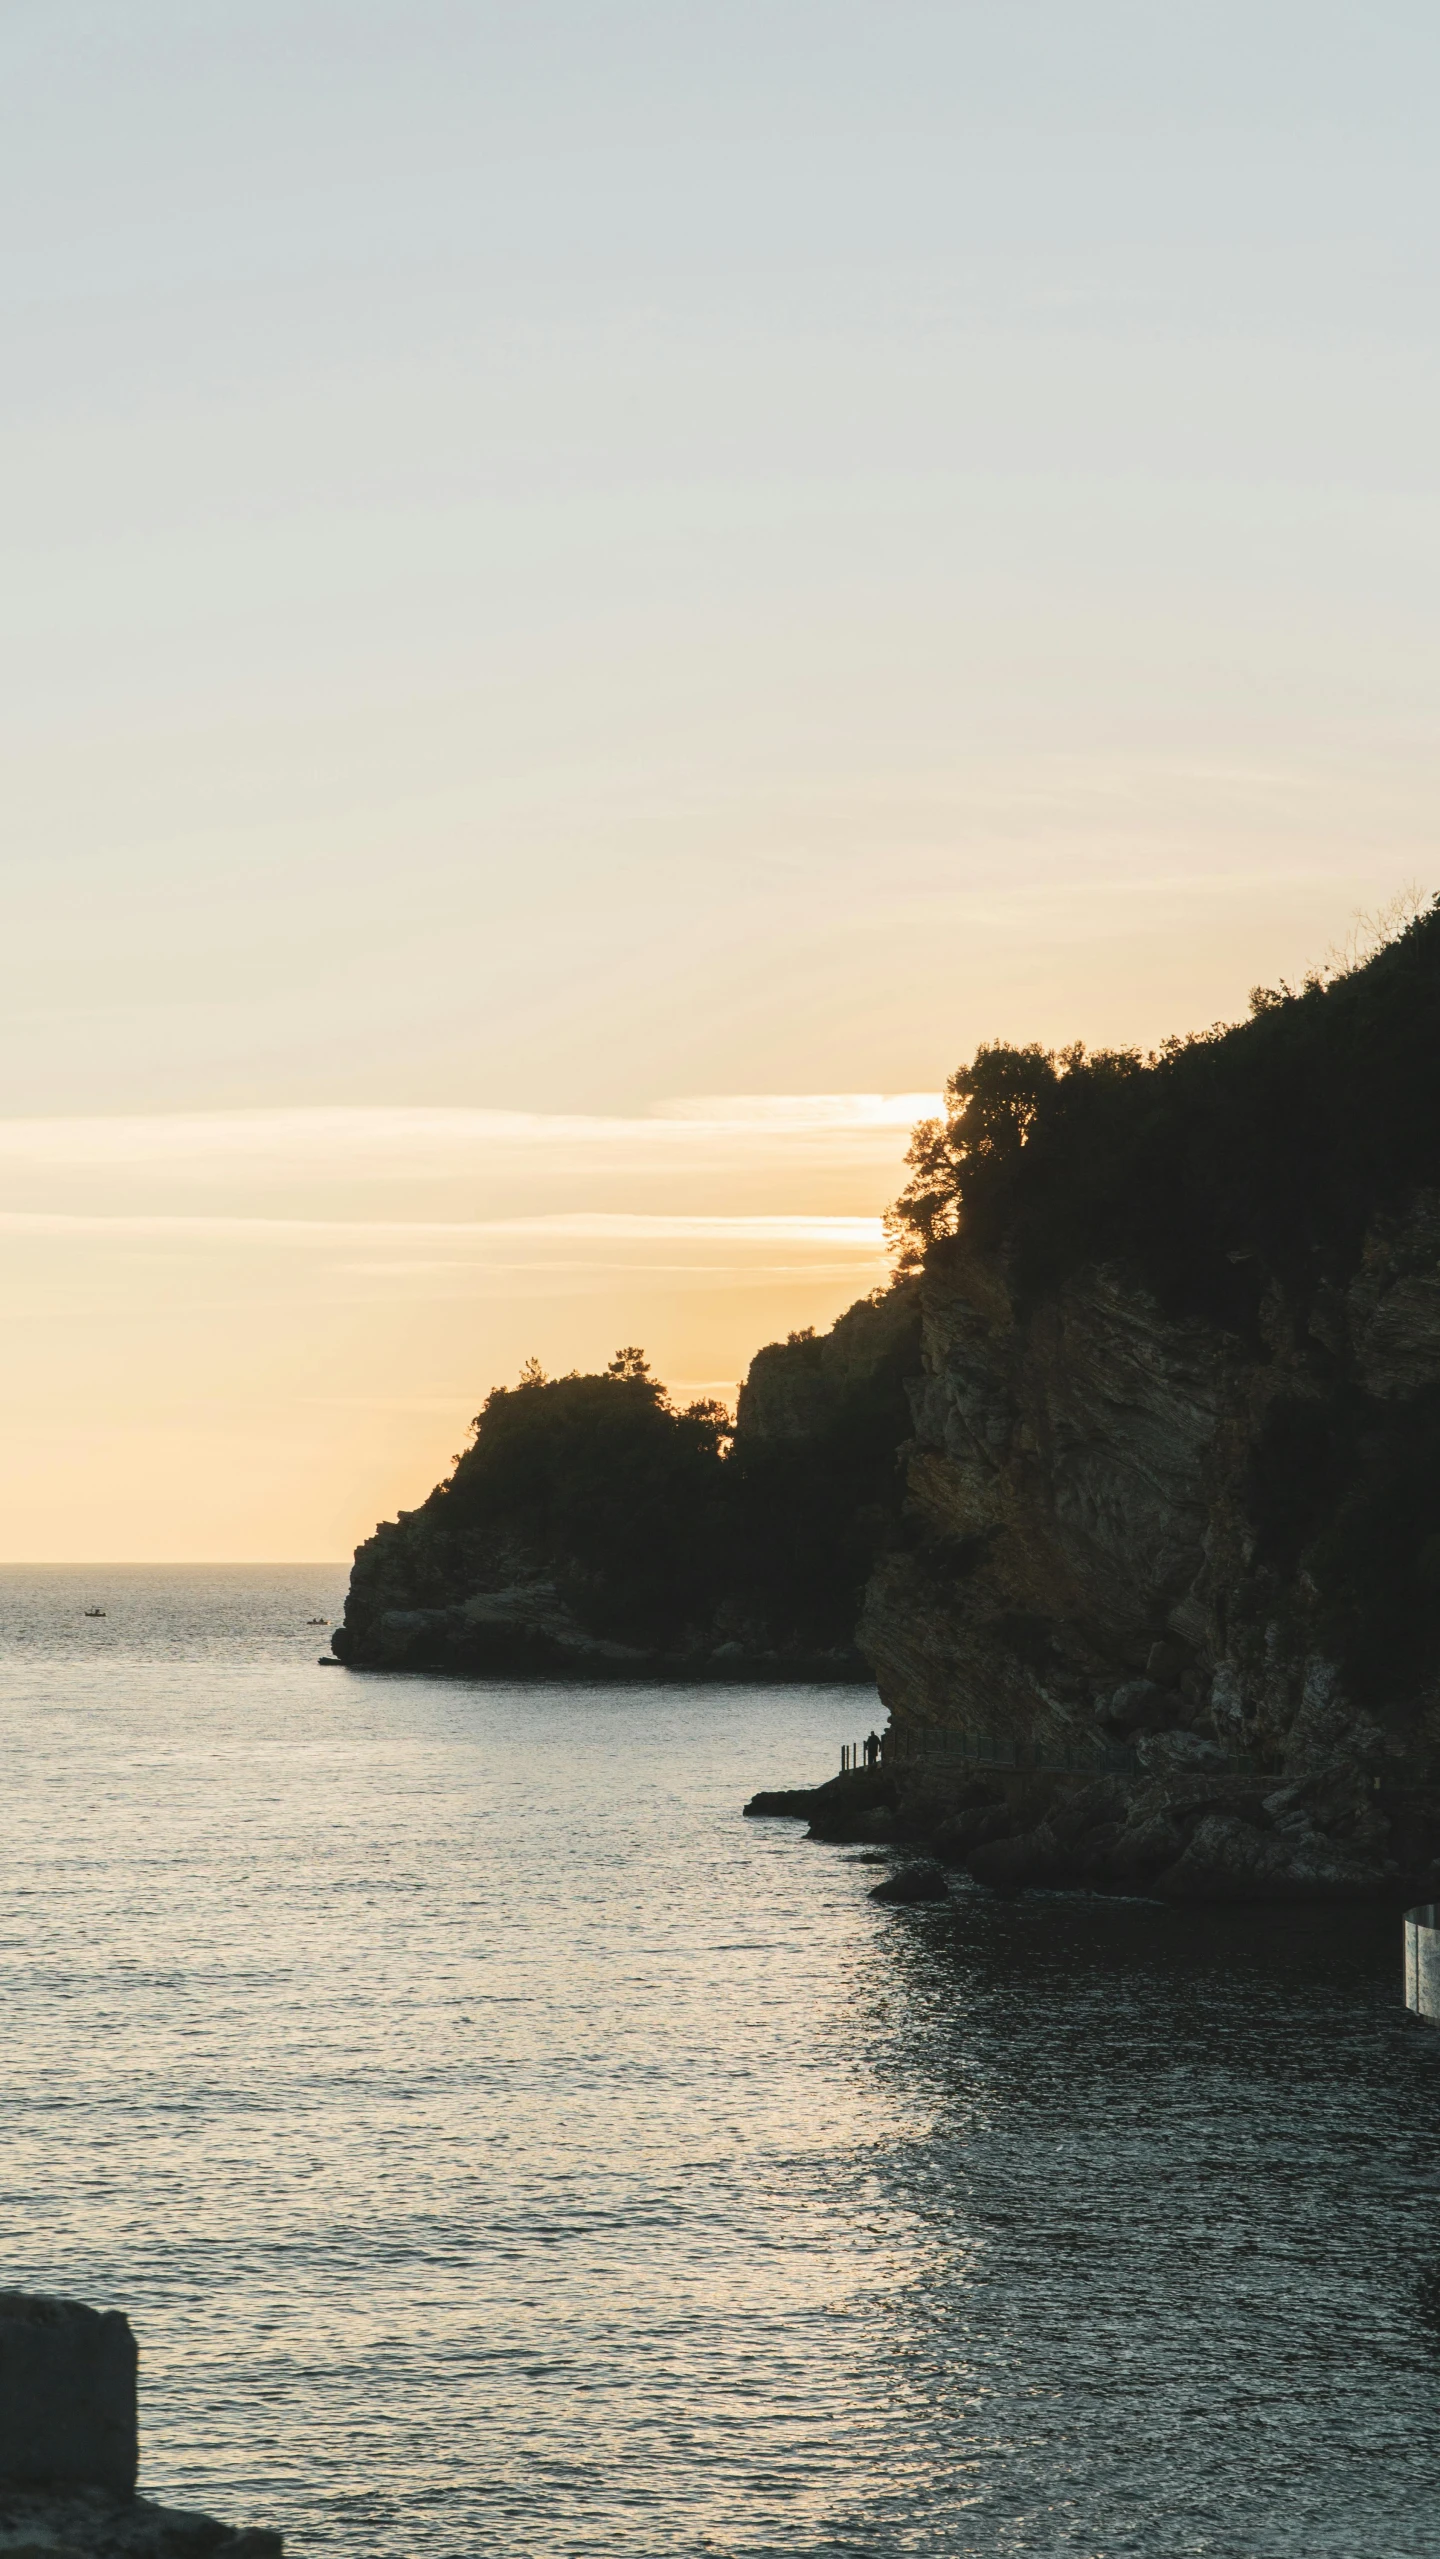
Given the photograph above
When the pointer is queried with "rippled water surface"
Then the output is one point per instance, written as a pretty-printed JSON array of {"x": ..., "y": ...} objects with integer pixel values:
[{"x": 502, "y": 2147}]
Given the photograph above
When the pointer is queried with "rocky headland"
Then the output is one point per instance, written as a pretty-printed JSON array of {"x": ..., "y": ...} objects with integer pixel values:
[
  {"x": 1207, "y": 1560},
  {"x": 593, "y": 1531},
  {"x": 1165, "y": 1611},
  {"x": 1165, "y": 1615},
  {"x": 1127, "y": 1494}
]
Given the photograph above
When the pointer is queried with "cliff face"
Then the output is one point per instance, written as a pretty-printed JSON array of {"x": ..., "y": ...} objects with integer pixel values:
[
  {"x": 798, "y": 1391},
  {"x": 1201, "y": 1567}
]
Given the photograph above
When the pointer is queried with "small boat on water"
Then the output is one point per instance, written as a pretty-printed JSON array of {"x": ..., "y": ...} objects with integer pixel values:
[{"x": 94, "y": 1612}]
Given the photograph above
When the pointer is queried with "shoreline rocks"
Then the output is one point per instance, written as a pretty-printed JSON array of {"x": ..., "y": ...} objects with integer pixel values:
[
  {"x": 68, "y": 2395},
  {"x": 920, "y": 1880},
  {"x": 1181, "y": 1836},
  {"x": 530, "y": 1633},
  {"x": 89, "y": 2523}
]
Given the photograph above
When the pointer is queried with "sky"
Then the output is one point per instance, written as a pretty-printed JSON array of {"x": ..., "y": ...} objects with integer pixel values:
[{"x": 594, "y": 594}]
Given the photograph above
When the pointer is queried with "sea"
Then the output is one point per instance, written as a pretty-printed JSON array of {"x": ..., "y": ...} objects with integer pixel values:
[{"x": 502, "y": 2146}]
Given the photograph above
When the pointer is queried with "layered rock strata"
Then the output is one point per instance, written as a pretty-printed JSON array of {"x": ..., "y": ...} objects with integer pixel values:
[{"x": 1168, "y": 1617}]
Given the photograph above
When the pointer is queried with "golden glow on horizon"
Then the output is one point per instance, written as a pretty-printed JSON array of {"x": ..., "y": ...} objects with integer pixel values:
[{"x": 251, "y": 1334}]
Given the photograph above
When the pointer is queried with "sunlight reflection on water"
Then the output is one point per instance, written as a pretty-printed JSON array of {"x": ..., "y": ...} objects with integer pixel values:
[{"x": 500, "y": 2146}]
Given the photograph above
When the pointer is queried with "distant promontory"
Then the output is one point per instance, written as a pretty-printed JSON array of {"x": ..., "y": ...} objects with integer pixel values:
[{"x": 594, "y": 1529}]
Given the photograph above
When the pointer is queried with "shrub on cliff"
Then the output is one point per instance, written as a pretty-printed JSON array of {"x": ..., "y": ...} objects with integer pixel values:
[
  {"x": 603, "y": 1475},
  {"x": 1246, "y": 1156}
]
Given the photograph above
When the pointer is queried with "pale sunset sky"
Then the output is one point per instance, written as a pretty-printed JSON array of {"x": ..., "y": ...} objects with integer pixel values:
[{"x": 594, "y": 593}]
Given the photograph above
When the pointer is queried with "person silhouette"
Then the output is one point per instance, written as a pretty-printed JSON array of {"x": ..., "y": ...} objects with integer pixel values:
[{"x": 872, "y": 1749}]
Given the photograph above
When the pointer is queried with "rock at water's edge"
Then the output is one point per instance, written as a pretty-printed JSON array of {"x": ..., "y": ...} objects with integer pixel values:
[
  {"x": 88, "y": 2523},
  {"x": 922, "y": 1882},
  {"x": 67, "y": 2395},
  {"x": 783, "y": 1803},
  {"x": 69, "y": 2445}
]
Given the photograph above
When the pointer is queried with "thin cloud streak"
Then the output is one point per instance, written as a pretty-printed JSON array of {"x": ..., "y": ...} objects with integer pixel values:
[
  {"x": 399, "y": 1137},
  {"x": 863, "y": 1233}
]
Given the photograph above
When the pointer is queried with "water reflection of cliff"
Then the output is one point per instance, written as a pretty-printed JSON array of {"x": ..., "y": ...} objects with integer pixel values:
[{"x": 1159, "y": 2289}]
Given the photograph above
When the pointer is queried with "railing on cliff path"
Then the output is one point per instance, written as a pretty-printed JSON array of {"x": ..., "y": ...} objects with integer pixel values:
[
  {"x": 934, "y": 1752},
  {"x": 988, "y": 1750},
  {"x": 1005, "y": 1750}
]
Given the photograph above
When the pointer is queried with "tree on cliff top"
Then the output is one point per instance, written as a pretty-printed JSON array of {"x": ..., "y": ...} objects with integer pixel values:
[
  {"x": 994, "y": 1107},
  {"x": 1265, "y": 1145}
]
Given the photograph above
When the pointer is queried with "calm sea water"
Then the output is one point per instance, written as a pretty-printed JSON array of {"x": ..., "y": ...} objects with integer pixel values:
[{"x": 503, "y": 2148}]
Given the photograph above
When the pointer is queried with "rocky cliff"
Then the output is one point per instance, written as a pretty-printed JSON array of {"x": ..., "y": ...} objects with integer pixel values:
[
  {"x": 1168, "y": 1609},
  {"x": 1142, "y": 1547},
  {"x": 1138, "y": 1472}
]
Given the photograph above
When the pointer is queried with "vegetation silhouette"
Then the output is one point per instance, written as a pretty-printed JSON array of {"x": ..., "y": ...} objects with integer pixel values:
[
  {"x": 1247, "y": 1151},
  {"x": 604, "y": 1478},
  {"x": 662, "y": 1525}
]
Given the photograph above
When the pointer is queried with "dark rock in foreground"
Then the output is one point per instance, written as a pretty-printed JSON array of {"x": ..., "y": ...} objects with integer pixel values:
[
  {"x": 69, "y": 2445},
  {"x": 67, "y": 2395}
]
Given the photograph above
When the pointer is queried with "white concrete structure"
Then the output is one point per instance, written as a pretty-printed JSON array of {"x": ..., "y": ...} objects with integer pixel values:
[{"x": 1422, "y": 1960}]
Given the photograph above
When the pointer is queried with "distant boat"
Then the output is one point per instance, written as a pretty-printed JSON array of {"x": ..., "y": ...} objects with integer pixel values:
[
  {"x": 94, "y": 1612},
  {"x": 317, "y": 1621}
]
